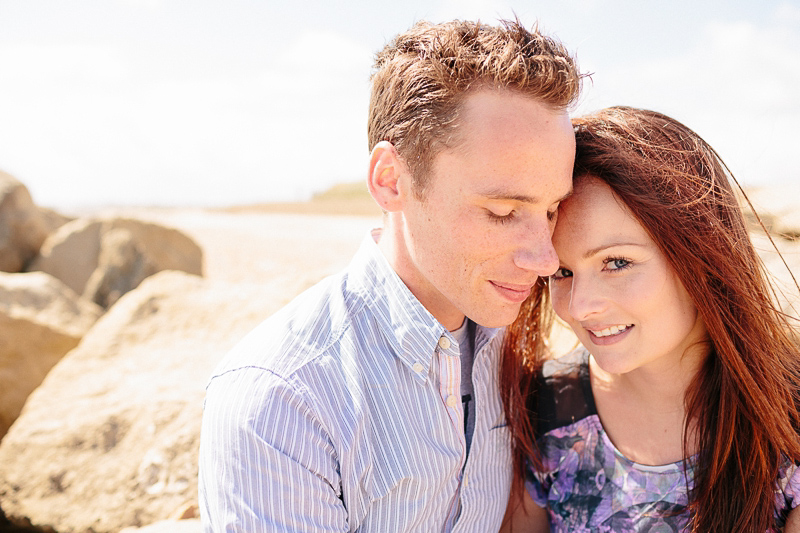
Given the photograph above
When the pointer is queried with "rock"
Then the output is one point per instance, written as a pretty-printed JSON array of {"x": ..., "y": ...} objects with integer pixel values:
[
  {"x": 776, "y": 206},
  {"x": 110, "y": 439},
  {"x": 168, "y": 526},
  {"x": 783, "y": 270},
  {"x": 23, "y": 227},
  {"x": 41, "y": 319},
  {"x": 121, "y": 265},
  {"x": 188, "y": 510},
  {"x": 102, "y": 259},
  {"x": 53, "y": 219}
]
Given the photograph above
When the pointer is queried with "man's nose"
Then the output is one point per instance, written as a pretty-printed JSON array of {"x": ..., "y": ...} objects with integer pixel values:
[{"x": 536, "y": 253}]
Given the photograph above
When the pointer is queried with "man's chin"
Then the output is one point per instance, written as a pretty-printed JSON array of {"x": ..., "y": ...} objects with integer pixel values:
[{"x": 498, "y": 319}]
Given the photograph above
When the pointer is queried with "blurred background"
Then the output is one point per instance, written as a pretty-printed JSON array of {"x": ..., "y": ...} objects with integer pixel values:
[{"x": 209, "y": 103}]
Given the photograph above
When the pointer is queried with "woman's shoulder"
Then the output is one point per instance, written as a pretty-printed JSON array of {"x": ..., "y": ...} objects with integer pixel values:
[{"x": 564, "y": 391}]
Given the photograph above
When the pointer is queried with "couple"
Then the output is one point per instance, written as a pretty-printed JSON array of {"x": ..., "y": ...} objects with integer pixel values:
[{"x": 414, "y": 391}]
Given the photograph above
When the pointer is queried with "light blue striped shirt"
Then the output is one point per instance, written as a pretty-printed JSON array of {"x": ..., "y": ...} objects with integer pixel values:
[{"x": 342, "y": 412}]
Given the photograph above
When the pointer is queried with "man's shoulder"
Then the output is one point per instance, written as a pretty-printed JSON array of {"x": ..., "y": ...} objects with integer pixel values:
[{"x": 309, "y": 327}]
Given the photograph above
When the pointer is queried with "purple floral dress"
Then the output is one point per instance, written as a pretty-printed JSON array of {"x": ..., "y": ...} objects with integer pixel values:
[{"x": 588, "y": 486}]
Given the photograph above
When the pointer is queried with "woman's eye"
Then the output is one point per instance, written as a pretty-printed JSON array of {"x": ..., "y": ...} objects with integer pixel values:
[
  {"x": 562, "y": 273},
  {"x": 617, "y": 264}
]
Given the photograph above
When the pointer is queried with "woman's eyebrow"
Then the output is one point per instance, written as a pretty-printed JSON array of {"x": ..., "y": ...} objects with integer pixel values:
[{"x": 595, "y": 251}]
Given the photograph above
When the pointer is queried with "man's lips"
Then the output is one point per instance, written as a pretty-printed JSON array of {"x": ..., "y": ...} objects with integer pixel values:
[{"x": 511, "y": 291}]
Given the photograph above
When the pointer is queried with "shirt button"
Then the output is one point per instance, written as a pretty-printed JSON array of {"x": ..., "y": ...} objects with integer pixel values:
[
  {"x": 417, "y": 368},
  {"x": 444, "y": 342},
  {"x": 452, "y": 401}
]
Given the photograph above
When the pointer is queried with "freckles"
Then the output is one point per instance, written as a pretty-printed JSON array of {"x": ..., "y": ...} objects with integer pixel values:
[{"x": 480, "y": 265}]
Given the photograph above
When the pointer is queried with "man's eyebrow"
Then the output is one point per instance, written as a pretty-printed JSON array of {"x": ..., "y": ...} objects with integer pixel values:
[
  {"x": 523, "y": 198},
  {"x": 595, "y": 251}
]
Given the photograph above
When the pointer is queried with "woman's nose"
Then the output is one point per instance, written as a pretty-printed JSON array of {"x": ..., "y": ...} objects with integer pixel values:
[{"x": 585, "y": 298}]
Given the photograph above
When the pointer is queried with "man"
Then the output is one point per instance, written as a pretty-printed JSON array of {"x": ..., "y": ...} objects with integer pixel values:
[{"x": 370, "y": 403}]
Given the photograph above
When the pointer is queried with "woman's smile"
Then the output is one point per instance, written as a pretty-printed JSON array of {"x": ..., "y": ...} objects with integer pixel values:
[{"x": 615, "y": 287}]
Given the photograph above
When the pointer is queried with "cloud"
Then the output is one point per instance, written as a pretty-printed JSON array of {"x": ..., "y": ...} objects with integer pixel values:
[
  {"x": 27, "y": 64},
  {"x": 91, "y": 125},
  {"x": 736, "y": 86},
  {"x": 325, "y": 52},
  {"x": 484, "y": 10},
  {"x": 787, "y": 13}
]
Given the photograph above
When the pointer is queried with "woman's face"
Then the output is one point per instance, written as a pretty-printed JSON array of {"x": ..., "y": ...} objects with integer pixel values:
[{"x": 615, "y": 288}]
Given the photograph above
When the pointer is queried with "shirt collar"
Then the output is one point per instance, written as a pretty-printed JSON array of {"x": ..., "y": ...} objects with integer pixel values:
[{"x": 409, "y": 327}]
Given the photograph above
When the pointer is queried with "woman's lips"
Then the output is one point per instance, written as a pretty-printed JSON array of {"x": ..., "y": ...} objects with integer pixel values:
[{"x": 610, "y": 334}]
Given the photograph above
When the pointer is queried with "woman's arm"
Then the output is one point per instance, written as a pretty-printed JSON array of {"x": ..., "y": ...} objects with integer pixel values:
[{"x": 526, "y": 517}]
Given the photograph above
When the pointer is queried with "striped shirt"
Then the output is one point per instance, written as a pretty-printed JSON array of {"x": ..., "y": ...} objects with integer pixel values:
[{"x": 343, "y": 412}]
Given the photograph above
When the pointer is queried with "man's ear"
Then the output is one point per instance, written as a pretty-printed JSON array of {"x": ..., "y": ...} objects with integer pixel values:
[{"x": 386, "y": 171}]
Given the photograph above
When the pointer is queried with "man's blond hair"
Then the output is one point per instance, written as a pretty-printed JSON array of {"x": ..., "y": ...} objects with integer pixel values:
[{"x": 422, "y": 77}]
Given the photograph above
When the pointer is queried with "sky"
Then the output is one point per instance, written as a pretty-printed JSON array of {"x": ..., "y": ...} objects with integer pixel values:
[{"x": 216, "y": 103}]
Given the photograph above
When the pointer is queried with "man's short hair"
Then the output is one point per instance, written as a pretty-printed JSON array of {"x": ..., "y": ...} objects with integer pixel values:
[{"x": 422, "y": 77}]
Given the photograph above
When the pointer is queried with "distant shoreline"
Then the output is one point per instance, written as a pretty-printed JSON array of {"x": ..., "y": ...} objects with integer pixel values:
[
  {"x": 351, "y": 207},
  {"x": 342, "y": 199},
  {"x": 345, "y": 199}
]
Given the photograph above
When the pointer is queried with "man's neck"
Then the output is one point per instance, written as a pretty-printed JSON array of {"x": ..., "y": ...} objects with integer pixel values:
[{"x": 392, "y": 244}]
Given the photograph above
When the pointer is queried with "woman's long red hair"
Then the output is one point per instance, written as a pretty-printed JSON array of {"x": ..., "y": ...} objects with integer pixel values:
[{"x": 743, "y": 404}]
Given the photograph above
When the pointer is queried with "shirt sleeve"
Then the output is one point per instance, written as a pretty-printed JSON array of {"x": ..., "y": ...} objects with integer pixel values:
[{"x": 266, "y": 461}]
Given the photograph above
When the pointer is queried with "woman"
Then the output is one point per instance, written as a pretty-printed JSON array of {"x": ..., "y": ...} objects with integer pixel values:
[{"x": 679, "y": 412}]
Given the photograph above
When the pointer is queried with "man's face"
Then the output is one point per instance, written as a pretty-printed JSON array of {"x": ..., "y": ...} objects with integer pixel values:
[{"x": 481, "y": 236}]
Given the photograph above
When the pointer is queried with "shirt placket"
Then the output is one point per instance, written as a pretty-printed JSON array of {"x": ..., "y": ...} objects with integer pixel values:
[
  {"x": 487, "y": 398},
  {"x": 450, "y": 392}
]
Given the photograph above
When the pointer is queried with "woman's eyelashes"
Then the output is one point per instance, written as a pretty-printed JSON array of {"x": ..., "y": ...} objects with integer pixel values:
[
  {"x": 561, "y": 273},
  {"x": 610, "y": 264},
  {"x": 617, "y": 263}
]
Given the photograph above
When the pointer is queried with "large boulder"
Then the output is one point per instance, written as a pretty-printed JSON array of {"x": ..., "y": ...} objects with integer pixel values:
[
  {"x": 177, "y": 525},
  {"x": 41, "y": 319},
  {"x": 168, "y": 526},
  {"x": 23, "y": 226},
  {"x": 783, "y": 269},
  {"x": 777, "y": 208},
  {"x": 110, "y": 439},
  {"x": 102, "y": 259},
  {"x": 53, "y": 219}
]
